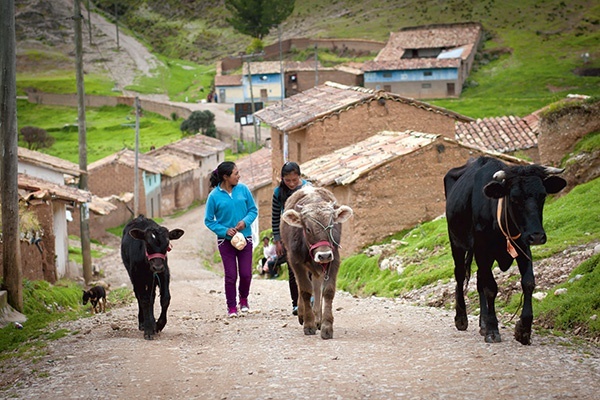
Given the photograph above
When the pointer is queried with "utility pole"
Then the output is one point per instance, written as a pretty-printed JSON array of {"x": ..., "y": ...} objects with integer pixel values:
[
  {"x": 89, "y": 21},
  {"x": 249, "y": 57},
  {"x": 282, "y": 72},
  {"x": 117, "y": 24},
  {"x": 316, "y": 66},
  {"x": 83, "y": 178},
  {"x": 9, "y": 167},
  {"x": 136, "y": 191}
]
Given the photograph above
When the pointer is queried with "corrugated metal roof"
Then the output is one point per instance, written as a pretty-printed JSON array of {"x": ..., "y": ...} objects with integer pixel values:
[
  {"x": 127, "y": 157},
  {"x": 48, "y": 161},
  {"x": 31, "y": 187},
  {"x": 329, "y": 99},
  {"x": 429, "y": 37},
  {"x": 345, "y": 165},
  {"x": 255, "y": 169},
  {"x": 501, "y": 134}
]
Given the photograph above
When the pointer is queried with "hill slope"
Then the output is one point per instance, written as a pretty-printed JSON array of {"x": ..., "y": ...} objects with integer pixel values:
[{"x": 533, "y": 54}]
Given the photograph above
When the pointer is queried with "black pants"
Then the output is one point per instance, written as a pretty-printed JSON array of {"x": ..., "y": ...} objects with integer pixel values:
[{"x": 293, "y": 286}]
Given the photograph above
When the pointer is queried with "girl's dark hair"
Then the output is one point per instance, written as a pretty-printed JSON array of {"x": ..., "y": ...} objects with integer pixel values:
[
  {"x": 225, "y": 168},
  {"x": 284, "y": 191}
]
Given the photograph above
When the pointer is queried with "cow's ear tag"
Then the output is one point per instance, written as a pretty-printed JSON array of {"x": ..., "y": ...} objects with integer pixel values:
[{"x": 511, "y": 249}]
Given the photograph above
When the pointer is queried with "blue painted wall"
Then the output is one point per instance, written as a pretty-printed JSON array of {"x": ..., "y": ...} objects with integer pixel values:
[{"x": 411, "y": 75}]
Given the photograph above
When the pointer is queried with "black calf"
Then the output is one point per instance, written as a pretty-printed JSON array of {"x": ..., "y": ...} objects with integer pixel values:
[{"x": 144, "y": 249}]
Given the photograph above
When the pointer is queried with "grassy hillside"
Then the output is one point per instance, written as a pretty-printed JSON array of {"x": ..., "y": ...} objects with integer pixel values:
[{"x": 529, "y": 59}]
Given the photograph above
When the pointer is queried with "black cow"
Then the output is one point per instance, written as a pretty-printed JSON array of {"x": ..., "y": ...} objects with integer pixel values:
[
  {"x": 494, "y": 213},
  {"x": 144, "y": 249},
  {"x": 311, "y": 233}
]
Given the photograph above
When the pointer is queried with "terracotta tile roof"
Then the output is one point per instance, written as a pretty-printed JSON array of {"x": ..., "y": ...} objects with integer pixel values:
[
  {"x": 429, "y": 37},
  {"x": 127, "y": 157},
  {"x": 48, "y": 161},
  {"x": 228, "y": 80},
  {"x": 329, "y": 99},
  {"x": 197, "y": 145},
  {"x": 345, "y": 165},
  {"x": 175, "y": 164},
  {"x": 101, "y": 206},
  {"x": 255, "y": 169},
  {"x": 36, "y": 188},
  {"x": 501, "y": 134}
]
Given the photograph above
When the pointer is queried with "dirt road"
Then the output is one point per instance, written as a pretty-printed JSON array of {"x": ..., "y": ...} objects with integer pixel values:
[{"x": 382, "y": 349}]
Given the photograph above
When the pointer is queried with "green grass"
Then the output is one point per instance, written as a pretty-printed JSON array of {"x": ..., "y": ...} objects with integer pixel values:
[
  {"x": 181, "y": 80},
  {"x": 577, "y": 307},
  {"x": 63, "y": 82},
  {"x": 45, "y": 304},
  {"x": 108, "y": 129}
]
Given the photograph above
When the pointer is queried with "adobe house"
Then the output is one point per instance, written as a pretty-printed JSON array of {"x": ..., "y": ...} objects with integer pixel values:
[
  {"x": 180, "y": 183},
  {"x": 229, "y": 88},
  {"x": 425, "y": 62},
  {"x": 392, "y": 181},
  {"x": 328, "y": 117},
  {"x": 255, "y": 172},
  {"x": 115, "y": 175},
  {"x": 42, "y": 186},
  {"x": 508, "y": 135},
  {"x": 204, "y": 151}
]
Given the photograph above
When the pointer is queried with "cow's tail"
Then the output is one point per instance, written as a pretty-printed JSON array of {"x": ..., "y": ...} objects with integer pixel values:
[{"x": 468, "y": 262}]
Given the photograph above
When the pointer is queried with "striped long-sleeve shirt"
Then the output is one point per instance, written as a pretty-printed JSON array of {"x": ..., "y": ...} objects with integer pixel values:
[{"x": 277, "y": 209}]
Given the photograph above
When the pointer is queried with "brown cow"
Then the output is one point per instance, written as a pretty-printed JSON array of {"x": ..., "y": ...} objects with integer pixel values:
[{"x": 311, "y": 231}]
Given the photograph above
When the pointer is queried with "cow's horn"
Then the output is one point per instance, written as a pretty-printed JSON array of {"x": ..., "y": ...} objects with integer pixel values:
[
  {"x": 499, "y": 176},
  {"x": 553, "y": 170}
]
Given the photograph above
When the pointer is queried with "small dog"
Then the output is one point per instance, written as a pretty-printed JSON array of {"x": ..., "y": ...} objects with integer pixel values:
[{"x": 97, "y": 297}]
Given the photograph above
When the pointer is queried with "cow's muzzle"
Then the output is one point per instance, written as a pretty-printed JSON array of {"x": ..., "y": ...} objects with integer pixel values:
[
  {"x": 323, "y": 256},
  {"x": 157, "y": 262},
  {"x": 536, "y": 238}
]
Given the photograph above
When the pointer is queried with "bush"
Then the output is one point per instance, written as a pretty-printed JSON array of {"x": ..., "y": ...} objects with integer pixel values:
[{"x": 36, "y": 138}]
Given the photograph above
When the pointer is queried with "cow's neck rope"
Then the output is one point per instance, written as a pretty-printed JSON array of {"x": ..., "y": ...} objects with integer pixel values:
[{"x": 510, "y": 240}]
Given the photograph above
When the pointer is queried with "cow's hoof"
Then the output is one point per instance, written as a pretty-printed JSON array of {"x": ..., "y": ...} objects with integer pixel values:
[
  {"x": 160, "y": 325},
  {"x": 493, "y": 337},
  {"x": 148, "y": 336},
  {"x": 461, "y": 322},
  {"x": 141, "y": 327},
  {"x": 327, "y": 333},
  {"x": 310, "y": 330},
  {"x": 300, "y": 320},
  {"x": 522, "y": 336}
]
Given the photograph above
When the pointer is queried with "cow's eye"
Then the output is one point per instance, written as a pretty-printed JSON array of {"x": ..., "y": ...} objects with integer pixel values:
[{"x": 307, "y": 229}]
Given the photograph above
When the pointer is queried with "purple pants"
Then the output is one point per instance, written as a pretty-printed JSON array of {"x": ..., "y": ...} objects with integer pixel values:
[{"x": 232, "y": 259}]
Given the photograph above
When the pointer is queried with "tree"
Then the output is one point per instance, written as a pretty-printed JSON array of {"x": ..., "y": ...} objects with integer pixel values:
[
  {"x": 256, "y": 17},
  {"x": 36, "y": 137},
  {"x": 199, "y": 121}
]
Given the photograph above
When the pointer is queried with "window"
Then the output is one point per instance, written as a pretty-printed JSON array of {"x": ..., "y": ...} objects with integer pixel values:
[
  {"x": 426, "y": 86},
  {"x": 427, "y": 73},
  {"x": 387, "y": 74}
]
